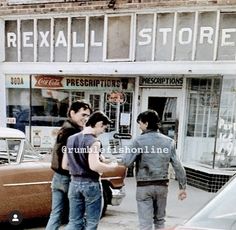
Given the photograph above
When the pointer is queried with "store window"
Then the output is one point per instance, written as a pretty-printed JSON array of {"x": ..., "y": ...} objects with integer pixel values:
[
  {"x": 203, "y": 102},
  {"x": 225, "y": 155},
  {"x": 38, "y": 104}
]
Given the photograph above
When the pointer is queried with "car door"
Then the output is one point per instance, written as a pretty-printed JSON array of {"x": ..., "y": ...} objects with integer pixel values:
[{"x": 25, "y": 183}]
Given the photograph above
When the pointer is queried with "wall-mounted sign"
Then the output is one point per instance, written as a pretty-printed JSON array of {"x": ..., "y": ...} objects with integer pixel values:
[
  {"x": 161, "y": 81},
  {"x": 197, "y": 36},
  {"x": 99, "y": 83},
  {"x": 17, "y": 81},
  {"x": 48, "y": 82},
  {"x": 71, "y": 82},
  {"x": 122, "y": 136},
  {"x": 116, "y": 97}
]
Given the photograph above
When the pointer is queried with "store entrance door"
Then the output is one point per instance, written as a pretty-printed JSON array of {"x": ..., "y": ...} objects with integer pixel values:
[
  {"x": 166, "y": 108},
  {"x": 167, "y": 102}
]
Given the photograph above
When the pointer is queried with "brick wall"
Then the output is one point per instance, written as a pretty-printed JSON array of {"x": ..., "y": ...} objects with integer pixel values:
[{"x": 85, "y": 5}]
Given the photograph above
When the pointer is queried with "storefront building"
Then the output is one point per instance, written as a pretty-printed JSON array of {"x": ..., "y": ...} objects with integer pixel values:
[{"x": 177, "y": 61}]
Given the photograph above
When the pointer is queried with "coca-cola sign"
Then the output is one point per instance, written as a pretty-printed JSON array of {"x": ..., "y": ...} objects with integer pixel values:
[{"x": 48, "y": 81}]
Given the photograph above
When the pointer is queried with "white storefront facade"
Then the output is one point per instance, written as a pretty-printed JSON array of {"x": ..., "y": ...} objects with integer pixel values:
[{"x": 180, "y": 63}]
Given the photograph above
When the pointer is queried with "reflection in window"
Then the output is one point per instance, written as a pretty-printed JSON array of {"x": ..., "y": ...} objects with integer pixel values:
[
  {"x": 29, "y": 153},
  {"x": 9, "y": 150},
  {"x": 94, "y": 100}
]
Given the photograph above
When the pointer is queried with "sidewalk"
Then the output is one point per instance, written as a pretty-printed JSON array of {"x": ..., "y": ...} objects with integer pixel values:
[{"x": 124, "y": 217}]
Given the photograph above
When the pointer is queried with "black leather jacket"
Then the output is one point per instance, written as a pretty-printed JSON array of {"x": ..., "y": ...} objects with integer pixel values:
[{"x": 68, "y": 128}]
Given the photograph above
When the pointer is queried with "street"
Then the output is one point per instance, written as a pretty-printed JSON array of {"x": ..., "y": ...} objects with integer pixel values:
[{"x": 124, "y": 217}]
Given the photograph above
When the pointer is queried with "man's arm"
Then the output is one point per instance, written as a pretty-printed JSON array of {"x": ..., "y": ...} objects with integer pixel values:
[
  {"x": 131, "y": 156},
  {"x": 95, "y": 163},
  {"x": 64, "y": 163},
  {"x": 179, "y": 172}
]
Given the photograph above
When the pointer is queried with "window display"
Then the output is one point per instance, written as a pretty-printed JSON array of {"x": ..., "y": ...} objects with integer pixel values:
[{"x": 226, "y": 139}]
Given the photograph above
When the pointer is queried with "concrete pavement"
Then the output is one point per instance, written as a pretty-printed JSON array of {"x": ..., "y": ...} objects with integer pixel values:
[{"x": 124, "y": 217}]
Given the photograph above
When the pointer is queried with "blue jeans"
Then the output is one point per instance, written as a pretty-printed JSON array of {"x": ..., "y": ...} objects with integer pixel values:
[
  {"x": 85, "y": 205},
  {"x": 151, "y": 200},
  {"x": 60, "y": 186}
]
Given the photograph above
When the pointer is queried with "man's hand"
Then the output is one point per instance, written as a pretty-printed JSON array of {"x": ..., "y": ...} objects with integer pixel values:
[{"x": 182, "y": 194}]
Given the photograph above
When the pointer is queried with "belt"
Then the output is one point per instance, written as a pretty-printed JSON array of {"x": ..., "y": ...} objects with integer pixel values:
[
  {"x": 84, "y": 179},
  {"x": 153, "y": 182}
]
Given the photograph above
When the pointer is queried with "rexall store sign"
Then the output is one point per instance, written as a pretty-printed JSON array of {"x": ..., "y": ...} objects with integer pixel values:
[{"x": 165, "y": 36}]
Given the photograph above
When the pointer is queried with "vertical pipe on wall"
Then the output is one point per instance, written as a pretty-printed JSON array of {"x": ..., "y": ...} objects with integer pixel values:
[
  {"x": 217, "y": 123},
  {"x": 2, "y": 76},
  {"x": 3, "y": 117},
  {"x": 30, "y": 109},
  {"x": 136, "y": 107}
]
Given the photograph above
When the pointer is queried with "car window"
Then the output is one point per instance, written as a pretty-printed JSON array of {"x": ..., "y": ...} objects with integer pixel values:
[
  {"x": 29, "y": 153},
  {"x": 9, "y": 150},
  {"x": 219, "y": 213}
]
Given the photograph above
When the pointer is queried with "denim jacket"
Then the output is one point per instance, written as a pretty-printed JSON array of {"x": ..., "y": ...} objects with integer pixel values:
[{"x": 152, "y": 152}]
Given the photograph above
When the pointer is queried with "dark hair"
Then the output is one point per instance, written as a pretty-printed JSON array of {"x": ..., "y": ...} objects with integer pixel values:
[
  {"x": 77, "y": 105},
  {"x": 96, "y": 117},
  {"x": 150, "y": 116}
]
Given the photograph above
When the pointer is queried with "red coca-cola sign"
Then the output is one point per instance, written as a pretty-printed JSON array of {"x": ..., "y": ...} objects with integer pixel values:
[{"x": 48, "y": 81}]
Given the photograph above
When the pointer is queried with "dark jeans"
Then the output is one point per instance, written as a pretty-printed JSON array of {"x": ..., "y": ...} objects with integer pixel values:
[
  {"x": 60, "y": 186},
  {"x": 85, "y": 205}
]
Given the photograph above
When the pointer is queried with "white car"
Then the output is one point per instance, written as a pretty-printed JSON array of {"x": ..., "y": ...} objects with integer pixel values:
[{"x": 218, "y": 214}]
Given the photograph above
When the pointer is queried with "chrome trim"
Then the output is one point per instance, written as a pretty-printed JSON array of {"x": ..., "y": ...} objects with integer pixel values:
[
  {"x": 111, "y": 178},
  {"x": 28, "y": 183}
]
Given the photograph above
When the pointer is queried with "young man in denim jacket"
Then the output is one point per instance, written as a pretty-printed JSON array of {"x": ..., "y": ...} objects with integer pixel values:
[{"x": 152, "y": 152}]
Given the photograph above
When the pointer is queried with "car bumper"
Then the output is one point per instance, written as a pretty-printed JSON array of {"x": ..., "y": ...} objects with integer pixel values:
[{"x": 117, "y": 196}]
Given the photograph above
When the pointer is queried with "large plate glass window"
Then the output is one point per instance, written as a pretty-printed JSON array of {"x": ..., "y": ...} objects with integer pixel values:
[
  {"x": 202, "y": 117},
  {"x": 225, "y": 156}
]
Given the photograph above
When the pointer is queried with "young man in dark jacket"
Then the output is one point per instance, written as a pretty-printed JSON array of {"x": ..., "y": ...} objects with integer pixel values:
[{"x": 77, "y": 116}]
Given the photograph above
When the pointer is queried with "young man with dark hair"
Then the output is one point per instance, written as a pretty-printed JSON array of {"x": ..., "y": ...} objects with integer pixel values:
[
  {"x": 78, "y": 114},
  {"x": 85, "y": 164},
  {"x": 154, "y": 153}
]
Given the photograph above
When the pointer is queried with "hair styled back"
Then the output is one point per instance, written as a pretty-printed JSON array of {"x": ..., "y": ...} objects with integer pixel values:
[
  {"x": 150, "y": 116},
  {"x": 77, "y": 105},
  {"x": 96, "y": 117}
]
